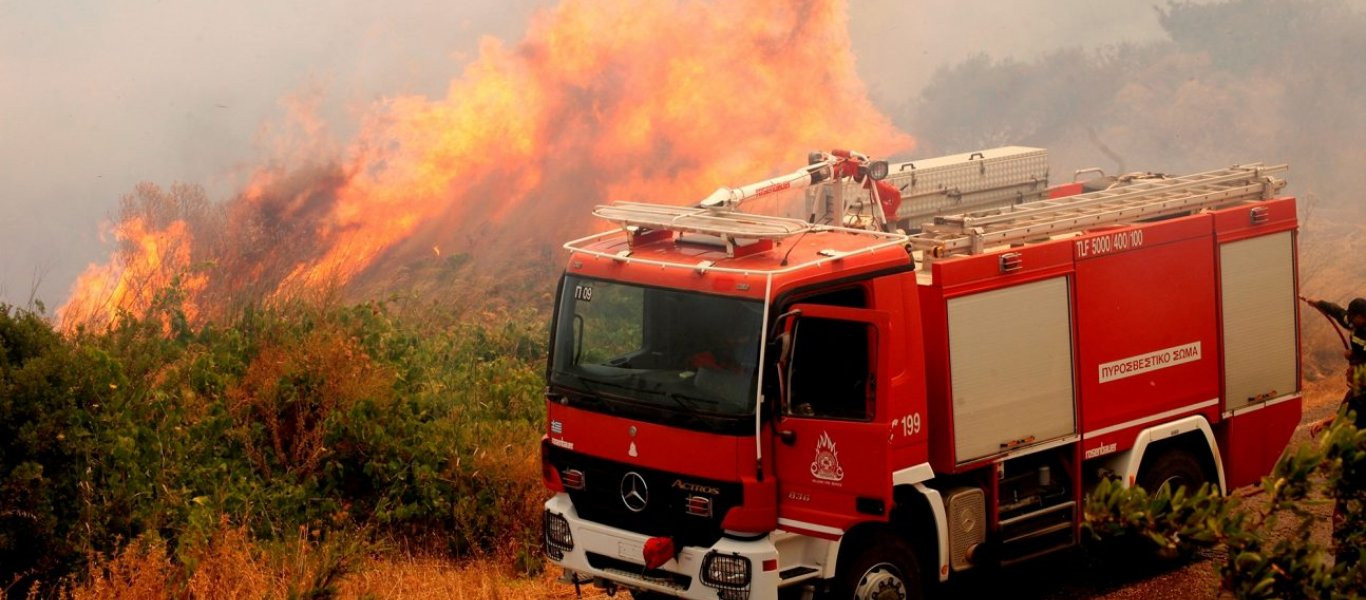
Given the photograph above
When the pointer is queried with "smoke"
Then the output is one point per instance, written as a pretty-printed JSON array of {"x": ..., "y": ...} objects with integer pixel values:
[
  {"x": 1247, "y": 80},
  {"x": 101, "y": 97},
  {"x": 599, "y": 101},
  {"x": 98, "y": 96}
]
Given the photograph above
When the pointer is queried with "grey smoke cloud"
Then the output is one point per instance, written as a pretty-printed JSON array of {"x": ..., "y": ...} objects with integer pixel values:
[{"x": 97, "y": 96}]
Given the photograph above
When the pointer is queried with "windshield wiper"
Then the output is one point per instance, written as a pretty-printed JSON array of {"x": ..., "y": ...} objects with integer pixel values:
[
  {"x": 688, "y": 401},
  {"x": 594, "y": 387},
  {"x": 592, "y": 392}
]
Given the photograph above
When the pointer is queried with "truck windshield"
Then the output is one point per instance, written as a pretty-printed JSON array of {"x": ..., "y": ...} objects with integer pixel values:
[{"x": 680, "y": 351}]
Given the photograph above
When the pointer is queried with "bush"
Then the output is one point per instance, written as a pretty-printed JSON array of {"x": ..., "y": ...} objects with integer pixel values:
[
  {"x": 417, "y": 427},
  {"x": 1257, "y": 564},
  {"x": 50, "y": 391}
]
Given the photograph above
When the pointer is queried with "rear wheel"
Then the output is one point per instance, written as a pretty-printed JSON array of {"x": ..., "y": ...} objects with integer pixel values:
[
  {"x": 1175, "y": 467},
  {"x": 885, "y": 569}
]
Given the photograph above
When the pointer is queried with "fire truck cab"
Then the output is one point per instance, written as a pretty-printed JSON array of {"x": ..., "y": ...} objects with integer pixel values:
[{"x": 744, "y": 404}]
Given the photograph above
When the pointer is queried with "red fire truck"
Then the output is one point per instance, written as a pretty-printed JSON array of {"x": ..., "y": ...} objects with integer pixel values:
[{"x": 741, "y": 405}]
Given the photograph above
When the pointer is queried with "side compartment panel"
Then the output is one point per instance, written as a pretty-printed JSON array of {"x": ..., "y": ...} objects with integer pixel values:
[
  {"x": 1011, "y": 367},
  {"x": 1149, "y": 336},
  {"x": 1253, "y": 441}
]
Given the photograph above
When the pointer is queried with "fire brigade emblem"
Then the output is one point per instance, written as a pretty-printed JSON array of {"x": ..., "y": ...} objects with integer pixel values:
[{"x": 826, "y": 466}]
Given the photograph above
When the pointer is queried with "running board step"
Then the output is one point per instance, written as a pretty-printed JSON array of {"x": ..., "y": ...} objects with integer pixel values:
[
  {"x": 797, "y": 573},
  {"x": 1039, "y": 532},
  {"x": 1029, "y": 535}
]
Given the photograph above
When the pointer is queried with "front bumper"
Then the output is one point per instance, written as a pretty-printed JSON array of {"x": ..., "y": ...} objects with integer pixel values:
[{"x": 615, "y": 554}]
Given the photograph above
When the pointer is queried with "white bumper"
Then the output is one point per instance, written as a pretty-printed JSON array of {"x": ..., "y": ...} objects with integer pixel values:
[{"x": 621, "y": 545}]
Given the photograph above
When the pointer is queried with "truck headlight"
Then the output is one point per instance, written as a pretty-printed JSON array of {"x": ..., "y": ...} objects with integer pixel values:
[
  {"x": 730, "y": 572},
  {"x": 558, "y": 540}
]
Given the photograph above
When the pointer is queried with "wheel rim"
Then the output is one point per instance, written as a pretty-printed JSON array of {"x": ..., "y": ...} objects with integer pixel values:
[{"x": 882, "y": 581}]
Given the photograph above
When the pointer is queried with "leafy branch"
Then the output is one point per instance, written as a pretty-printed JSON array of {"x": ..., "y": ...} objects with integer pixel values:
[{"x": 1270, "y": 552}]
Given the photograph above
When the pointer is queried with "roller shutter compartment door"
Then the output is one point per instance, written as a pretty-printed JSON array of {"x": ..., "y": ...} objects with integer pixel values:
[
  {"x": 1257, "y": 278},
  {"x": 1010, "y": 353}
]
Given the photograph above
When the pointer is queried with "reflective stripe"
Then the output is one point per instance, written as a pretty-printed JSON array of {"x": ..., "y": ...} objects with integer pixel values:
[
  {"x": 1149, "y": 419},
  {"x": 810, "y": 527},
  {"x": 1256, "y": 407}
]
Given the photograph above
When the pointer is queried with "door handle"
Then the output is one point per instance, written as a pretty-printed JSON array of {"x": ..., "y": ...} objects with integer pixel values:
[{"x": 787, "y": 436}]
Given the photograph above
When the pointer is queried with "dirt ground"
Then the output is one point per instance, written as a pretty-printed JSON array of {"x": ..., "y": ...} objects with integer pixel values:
[{"x": 1080, "y": 575}]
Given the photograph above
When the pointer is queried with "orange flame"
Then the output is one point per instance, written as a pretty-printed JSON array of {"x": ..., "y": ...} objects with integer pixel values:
[
  {"x": 147, "y": 265},
  {"x": 602, "y": 100}
]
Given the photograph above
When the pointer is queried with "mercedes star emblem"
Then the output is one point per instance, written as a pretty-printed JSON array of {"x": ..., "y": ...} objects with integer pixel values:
[{"x": 634, "y": 493}]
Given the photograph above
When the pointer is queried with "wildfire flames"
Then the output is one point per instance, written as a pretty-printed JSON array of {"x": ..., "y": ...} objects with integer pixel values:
[{"x": 601, "y": 101}]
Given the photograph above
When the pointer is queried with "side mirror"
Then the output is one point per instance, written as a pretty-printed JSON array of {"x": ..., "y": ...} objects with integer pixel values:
[
  {"x": 780, "y": 347},
  {"x": 784, "y": 327}
]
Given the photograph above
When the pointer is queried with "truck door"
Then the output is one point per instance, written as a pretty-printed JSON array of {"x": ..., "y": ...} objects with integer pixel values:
[{"x": 831, "y": 444}]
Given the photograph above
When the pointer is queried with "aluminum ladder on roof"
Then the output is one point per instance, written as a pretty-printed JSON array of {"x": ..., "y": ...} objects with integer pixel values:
[
  {"x": 687, "y": 219},
  {"x": 972, "y": 233},
  {"x": 742, "y": 233},
  {"x": 640, "y": 219}
]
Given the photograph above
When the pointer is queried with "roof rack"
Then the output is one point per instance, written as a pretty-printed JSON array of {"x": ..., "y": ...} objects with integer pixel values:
[
  {"x": 742, "y": 233},
  {"x": 650, "y": 222},
  {"x": 973, "y": 233},
  {"x": 688, "y": 219}
]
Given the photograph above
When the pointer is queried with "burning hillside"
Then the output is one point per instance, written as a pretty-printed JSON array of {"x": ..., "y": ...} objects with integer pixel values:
[{"x": 600, "y": 101}]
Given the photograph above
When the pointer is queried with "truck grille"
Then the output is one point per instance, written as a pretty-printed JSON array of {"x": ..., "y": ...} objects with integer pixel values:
[{"x": 664, "y": 514}]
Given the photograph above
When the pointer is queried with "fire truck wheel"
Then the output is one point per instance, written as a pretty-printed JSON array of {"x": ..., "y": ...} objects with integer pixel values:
[
  {"x": 885, "y": 569},
  {"x": 1175, "y": 467}
]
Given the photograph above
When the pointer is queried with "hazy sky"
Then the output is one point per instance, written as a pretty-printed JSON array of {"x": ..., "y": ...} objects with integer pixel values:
[{"x": 96, "y": 96}]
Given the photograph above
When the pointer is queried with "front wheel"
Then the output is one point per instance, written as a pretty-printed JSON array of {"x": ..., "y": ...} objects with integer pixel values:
[{"x": 885, "y": 569}]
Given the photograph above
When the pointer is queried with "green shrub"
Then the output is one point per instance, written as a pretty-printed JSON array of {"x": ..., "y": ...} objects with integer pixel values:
[
  {"x": 415, "y": 427},
  {"x": 1259, "y": 563},
  {"x": 49, "y": 389}
]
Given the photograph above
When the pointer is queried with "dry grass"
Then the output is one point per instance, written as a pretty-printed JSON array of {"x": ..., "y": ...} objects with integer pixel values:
[
  {"x": 231, "y": 565},
  {"x": 412, "y": 578},
  {"x": 142, "y": 570}
]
